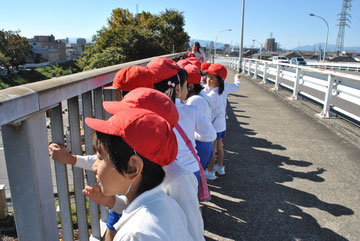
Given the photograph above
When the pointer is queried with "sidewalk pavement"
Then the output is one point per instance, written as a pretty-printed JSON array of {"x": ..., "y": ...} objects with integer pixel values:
[{"x": 289, "y": 175}]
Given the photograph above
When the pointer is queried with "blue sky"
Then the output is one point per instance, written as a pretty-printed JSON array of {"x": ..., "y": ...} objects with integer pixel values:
[{"x": 287, "y": 20}]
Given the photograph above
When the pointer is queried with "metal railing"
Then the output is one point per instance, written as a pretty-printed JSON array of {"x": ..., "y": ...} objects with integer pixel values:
[
  {"x": 334, "y": 90},
  {"x": 335, "y": 65},
  {"x": 24, "y": 113}
]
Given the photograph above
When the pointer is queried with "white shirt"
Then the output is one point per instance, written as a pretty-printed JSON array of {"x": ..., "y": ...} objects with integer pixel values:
[
  {"x": 182, "y": 185},
  {"x": 152, "y": 216},
  {"x": 203, "y": 103},
  {"x": 219, "y": 103},
  {"x": 200, "y": 55},
  {"x": 191, "y": 120},
  {"x": 85, "y": 162},
  {"x": 179, "y": 184}
]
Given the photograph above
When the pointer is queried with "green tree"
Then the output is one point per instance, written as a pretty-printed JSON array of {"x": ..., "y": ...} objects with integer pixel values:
[
  {"x": 14, "y": 47},
  {"x": 133, "y": 37},
  {"x": 4, "y": 61}
]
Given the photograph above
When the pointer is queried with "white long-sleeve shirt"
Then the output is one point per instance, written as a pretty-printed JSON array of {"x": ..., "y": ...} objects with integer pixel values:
[
  {"x": 191, "y": 120},
  {"x": 203, "y": 103},
  {"x": 219, "y": 103},
  {"x": 179, "y": 184},
  {"x": 153, "y": 215}
]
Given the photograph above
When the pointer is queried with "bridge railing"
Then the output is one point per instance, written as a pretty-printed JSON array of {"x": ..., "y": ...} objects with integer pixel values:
[
  {"x": 335, "y": 65},
  {"x": 337, "y": 91},
  {"x": 25, "y": 113}
]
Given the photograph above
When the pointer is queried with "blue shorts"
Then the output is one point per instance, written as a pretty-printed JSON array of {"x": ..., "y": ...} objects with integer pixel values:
[
  {"x": 204, "y": 151},
  {"x": 113, "y": 218},
  {"x": 220, "y": 135}
]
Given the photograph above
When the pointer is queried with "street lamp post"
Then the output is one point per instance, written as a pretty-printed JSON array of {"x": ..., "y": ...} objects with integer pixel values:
[
  {"x": 260, "y": 46},
  {"x": 216, "y": 41},
  {"x": 242, "y": 36},
  {"x": 327, "y": 33}
]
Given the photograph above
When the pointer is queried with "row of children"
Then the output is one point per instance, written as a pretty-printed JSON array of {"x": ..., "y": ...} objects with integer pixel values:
[{"x": 147, "y": 169}]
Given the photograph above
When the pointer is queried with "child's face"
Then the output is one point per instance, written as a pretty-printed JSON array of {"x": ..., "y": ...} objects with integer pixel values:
[
  {"x": 110, "y": 180},
  {"x": 212, "y": 81}
]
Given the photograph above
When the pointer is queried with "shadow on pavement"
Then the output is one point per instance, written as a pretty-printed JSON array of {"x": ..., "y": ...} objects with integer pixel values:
[{"x": 251, "y": 203}]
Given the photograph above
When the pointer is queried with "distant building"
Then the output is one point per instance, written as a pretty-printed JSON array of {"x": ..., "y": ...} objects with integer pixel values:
[
  {"x": 343, "y": 59},
  {"x": 51, "y": 50},
  {"x": 349, "y": 53},
  {"x": 81, "y": 42},
  {"x": 74, "y": 50},
  {"x": 270, "y": 44}
]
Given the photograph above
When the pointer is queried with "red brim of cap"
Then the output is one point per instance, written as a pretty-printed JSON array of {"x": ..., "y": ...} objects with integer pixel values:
[
  {"x": 113, "y": 107},
  {"x": 102, "y": 126},
  {"x": 110, "y": 87}
]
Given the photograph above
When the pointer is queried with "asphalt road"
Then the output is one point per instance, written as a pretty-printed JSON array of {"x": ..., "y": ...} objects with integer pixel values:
[{"x": 289, "y": 175}]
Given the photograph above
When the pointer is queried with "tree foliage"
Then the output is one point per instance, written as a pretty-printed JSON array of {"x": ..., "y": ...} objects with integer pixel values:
[
  {"x": 129, "y": 37},
  {"x": 14, "y": 49}
]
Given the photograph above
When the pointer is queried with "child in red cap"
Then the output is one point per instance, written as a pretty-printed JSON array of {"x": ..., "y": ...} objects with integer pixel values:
[
  {"x": 172, "y": 80},
  {"x": 218, "y": 90},
  {"x": 179, "y": 183},
  {"x": 198, "y": 98},
  {"x": 125, "y": 80},
  {"x": 129, "y": 164}
]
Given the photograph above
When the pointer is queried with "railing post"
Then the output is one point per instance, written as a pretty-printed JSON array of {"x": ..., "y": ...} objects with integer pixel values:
[
  {"x": 326, "y": 109},
  {"x": 74, "y": 123},
  {"x": 264, "y": 73},
  {"x": 29, "y": 174},
  {"x": 249, "y": 68},
  {"x": 57, "y": 135},
  {"x": 256, "y": 69},
  {"x": 99, "y": 114},
  {"x": 277, "y": 79},
  {"x": 94, "y": 210},
  {"x": 296, "y": 85}
]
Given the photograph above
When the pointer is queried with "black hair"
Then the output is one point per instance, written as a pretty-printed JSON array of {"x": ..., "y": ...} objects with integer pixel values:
[
  {"x": 194, "y": 91},
  {"x": 221, "y": 84},
  {"x": 120, "y": 152},
  {"x": 166, "y": 87},
  {"x": 124, "y": 92},
  {"x": 197, "y": 45}
]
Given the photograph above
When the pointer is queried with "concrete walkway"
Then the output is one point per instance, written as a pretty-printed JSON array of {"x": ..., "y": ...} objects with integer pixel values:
[{"x": 289, "y": 175}]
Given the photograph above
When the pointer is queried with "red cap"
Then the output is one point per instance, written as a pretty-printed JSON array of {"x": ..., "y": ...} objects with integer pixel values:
[
  {"x": 149, "y": 99},
  {"x": 162, "y": 68},
  {"x": 193, "y": 73},
  {"x": 217, "y": 69},
  {"x": 183, "y": 62},
  {"x": 191, "y": 59},
  {"x": 189, "y": 55},
  {"x": 132, "y": 77},
  {"x": 205, "y": 66},
  {"x": 196, "y": 62},
  {"x": 146, "y": 132}
]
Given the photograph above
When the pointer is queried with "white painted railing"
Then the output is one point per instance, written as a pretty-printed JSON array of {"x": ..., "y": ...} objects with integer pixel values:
[
  {"x": 335, "y": 65},
  {"x": 24, "y": 113},
  {"x": 334, "y": 90}
]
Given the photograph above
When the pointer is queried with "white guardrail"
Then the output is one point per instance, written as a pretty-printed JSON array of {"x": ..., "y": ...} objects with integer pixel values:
[
  {"x": 24, "y": 113},
  {"x": 335, "y": 90}
]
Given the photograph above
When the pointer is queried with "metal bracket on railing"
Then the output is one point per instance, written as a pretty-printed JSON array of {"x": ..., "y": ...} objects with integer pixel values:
[{"x": 335, "y": 87}]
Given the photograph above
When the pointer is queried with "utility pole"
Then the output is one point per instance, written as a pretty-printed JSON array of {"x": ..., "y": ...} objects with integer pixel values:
[{"x": 241, "y": 35}]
